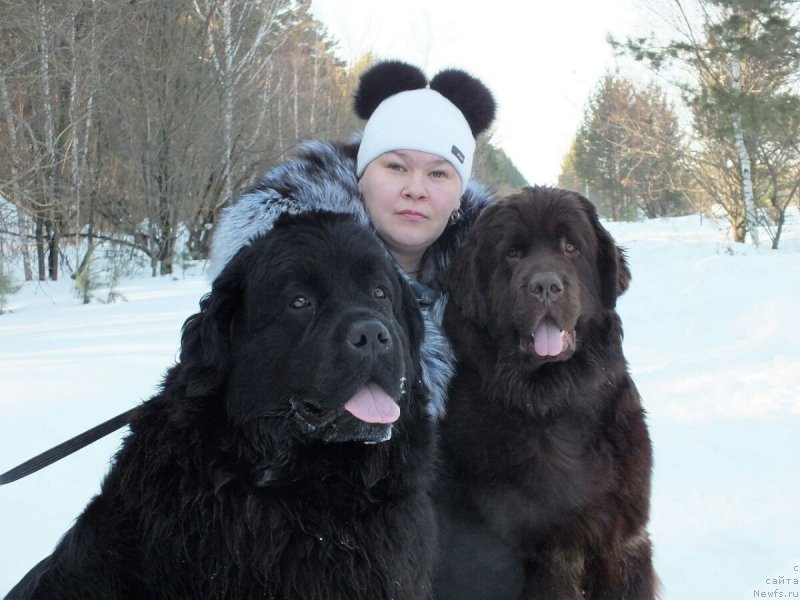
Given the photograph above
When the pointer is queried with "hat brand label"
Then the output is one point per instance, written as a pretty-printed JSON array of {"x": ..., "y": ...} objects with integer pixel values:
[{"x": 458, "y": 154}]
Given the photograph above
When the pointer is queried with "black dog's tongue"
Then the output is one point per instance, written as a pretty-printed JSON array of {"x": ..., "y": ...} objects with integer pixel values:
[
  {"x": 548, "y": 339},
  {"x": 372, "y": 405}
]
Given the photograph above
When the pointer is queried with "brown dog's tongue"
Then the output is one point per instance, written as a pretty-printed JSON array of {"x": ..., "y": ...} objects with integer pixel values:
[
  {"x": 547, "y": 339},
  {"x": 372, "y": 405}
]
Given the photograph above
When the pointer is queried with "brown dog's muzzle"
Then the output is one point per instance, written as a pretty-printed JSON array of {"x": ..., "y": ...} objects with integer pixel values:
[{"x": 548, "y": 306}]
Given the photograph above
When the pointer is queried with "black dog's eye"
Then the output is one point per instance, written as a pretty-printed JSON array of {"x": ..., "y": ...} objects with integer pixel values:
[
  {"x": 300, "y": 302},
  {"x": 514, "y": 253},
  {"x": 379, "y": 293}
]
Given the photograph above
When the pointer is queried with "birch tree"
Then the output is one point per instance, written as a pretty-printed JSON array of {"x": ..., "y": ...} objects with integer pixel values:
[
  {"x": 242, "y": 38},
  {"x": 129, "y": 124},
  {"x": 750, "y": 218},
  {"x": 742, "y": 57},
  {"x": 16, "y": 188}
]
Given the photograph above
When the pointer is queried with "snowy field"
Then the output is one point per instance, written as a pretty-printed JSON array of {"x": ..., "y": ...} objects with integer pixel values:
[{"x": 712, "y": 334}]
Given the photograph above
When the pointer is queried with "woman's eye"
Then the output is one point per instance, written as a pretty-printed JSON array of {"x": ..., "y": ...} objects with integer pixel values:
[
  {"x": 439, "y": 174},
  {"x": 395, "y": 166},
  {"x": 300, "y": 302},
  {"x": 379, "y": 293}
]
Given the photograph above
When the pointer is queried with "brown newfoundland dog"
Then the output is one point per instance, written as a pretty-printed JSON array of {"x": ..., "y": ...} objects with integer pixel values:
[{"x": 546, "y": 454}]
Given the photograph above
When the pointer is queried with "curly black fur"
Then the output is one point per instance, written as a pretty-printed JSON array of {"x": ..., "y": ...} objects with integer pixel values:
[
  {"x": 383, "y": 80},
  {"x": 469, "y": 95},
  {"x": 244, "y": 477}
]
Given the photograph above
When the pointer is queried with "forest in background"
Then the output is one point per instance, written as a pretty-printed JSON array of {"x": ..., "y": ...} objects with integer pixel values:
[
  {"x": 716, "y": 130},
  {"x": 126, "y": 126}
]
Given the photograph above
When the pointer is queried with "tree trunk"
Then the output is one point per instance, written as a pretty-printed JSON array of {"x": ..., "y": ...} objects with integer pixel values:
[
  {"x": 314, "y": 86},
  {"x": 86, "y": 261},
  {"x": 296, "y": 103},
  {"x": 23, "y": 226},
  {"x": 750, "y": 218},
  {"x": 279, "y": 96},
  {"x": 166, "y": 240},
  {"x": 40, "y": 249},
  {"x": 166, "y": 257},
  {"x": 74, "y": 150},
  {"x": 229, "y": 100},
  {"x": 16, "y": 191},
  {"x": 779, "y": 229},
  {"x": 50, "y": 144},
  {"x": 53, "y": 244}
]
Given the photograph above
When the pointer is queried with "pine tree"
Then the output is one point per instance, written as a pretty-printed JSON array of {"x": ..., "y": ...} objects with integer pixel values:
[
  {"x": 626, "y": 154},
  {"x": 744, "y": 58}
]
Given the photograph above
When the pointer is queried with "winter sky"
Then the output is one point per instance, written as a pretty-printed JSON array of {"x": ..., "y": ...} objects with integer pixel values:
[{"x": 541, "y": 59}]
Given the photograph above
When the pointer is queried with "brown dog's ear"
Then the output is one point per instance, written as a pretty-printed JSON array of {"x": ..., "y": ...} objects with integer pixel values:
[
  {"x": 611, "y": 263},
  {"x": 623, "y": 272},
  {"x": 463, "y": 278},
  {"x": 614, "y": 272}
]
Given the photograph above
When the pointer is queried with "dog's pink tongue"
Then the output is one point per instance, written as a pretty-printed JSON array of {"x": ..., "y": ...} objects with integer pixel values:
[
  {"x": 372, "y": 405},
  {"x": 547, "y": 339}
]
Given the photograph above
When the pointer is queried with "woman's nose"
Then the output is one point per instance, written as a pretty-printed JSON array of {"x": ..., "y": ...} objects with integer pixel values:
[{"x": 415, "y": 187}]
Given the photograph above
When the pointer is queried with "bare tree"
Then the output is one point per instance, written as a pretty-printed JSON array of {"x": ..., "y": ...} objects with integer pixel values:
[
  {"x": 16, "y": 188},
  {"x": 132, "y": 123},
  {"x": 242, "y": 38}
]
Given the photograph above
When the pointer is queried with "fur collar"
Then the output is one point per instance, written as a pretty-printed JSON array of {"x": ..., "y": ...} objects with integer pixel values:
[{"x": 322, "y": 176}]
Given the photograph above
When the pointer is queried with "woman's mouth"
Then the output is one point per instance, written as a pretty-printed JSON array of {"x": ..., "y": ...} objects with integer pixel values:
[{"x": 411, "y": 215}]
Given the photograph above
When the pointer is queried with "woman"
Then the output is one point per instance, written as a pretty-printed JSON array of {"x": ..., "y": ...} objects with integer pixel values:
[{"x": 407, "y": 178}]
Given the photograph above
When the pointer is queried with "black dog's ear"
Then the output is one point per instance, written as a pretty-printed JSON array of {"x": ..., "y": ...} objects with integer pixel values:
[
  {"x": 206, "y": 336},
  {"x": 408, "y": 312},
  {"x": 614, "y": 272}
]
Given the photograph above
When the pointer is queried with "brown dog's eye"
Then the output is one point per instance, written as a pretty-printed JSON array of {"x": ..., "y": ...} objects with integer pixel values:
[
  {"x": 380, "y": 293},
  {"x": 300, "y": 302}
]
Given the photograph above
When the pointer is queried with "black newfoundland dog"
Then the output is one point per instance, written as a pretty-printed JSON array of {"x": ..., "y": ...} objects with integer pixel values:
[
  {"x": 287, "y": 456},
  {"x": 546, "y": 451}
]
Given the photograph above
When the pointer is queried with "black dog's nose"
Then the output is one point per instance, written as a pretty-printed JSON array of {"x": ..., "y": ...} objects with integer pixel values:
[
  {"x": 546, "y": 287},
  {"x": 368, "y": 336}
]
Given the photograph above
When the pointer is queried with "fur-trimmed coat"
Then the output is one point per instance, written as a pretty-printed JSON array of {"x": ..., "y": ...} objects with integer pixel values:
[{"x": 322, "y": 177}]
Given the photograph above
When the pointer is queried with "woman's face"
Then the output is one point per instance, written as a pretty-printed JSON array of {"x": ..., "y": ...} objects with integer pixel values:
[{"x": 410, "y": 196}]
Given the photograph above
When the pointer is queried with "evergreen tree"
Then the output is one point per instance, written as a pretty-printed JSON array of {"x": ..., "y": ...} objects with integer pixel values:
[
  {"x": 744, "y": 58},
  {"x": 494, "y": 168},
  {"x": 626, "y": 154},
  {"x": 600, "y": 152},
  {"x": 569, "y": 178}
]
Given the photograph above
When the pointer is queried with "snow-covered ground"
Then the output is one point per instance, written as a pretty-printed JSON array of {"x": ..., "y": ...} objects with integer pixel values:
[{"x": 712, "y": 334}]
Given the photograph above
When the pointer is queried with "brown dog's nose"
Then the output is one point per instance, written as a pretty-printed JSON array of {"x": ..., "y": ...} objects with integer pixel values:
[
  {"x": 369, "y": 337},
  {"x": 546, "y": 287}
]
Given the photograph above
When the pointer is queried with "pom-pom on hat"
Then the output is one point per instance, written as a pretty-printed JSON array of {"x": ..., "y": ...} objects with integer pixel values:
[{"x": 404, "y": 113}]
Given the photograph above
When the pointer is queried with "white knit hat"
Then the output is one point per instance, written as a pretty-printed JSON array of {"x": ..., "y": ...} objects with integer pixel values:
[
  {"x": 404, "y": 111},
  {"x": 421, "y": 120}
]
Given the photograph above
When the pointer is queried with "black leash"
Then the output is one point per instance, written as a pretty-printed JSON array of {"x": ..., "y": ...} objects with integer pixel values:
[{"x": 66, "y": 448}]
